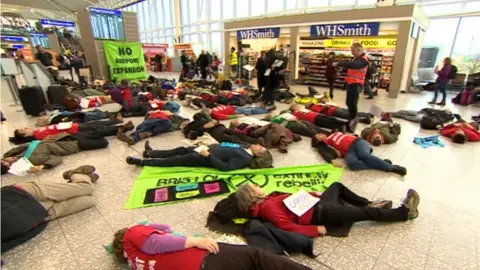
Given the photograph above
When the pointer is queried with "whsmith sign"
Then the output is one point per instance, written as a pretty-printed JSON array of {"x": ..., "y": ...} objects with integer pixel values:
[
  {"x": 259, "y": 33},
  {"x": 343, "y": 30}
]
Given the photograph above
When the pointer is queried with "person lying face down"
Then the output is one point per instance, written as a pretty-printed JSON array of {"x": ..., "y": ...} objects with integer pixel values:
[
  {"x": 154, "y": 246},
  {"x": 356, "y": 151},
  {"x": 381, "y": 133},
  {"x": 461, "y": 132},
  {"x": 327, "y": 213},
  {"x": 300, "y": 127},
  {"x": 335, "y": 111},
  {"x": 35, "y": 203},
  {"x": 224, "y": 157},
  {"x": 274, "y": 135},
  {"x": 318, "y": 119}
]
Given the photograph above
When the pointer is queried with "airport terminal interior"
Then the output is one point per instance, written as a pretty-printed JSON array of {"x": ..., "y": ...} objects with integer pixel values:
[{"x": 228, "y": 134}]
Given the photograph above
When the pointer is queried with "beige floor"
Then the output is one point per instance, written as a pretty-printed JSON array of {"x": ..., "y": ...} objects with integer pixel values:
[{"x": 446, "y": 235}]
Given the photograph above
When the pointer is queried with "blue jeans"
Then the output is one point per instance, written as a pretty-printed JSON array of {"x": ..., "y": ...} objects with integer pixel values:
[
  {"x": 93, "y": 115},
  {"x": 441, "y": 87},
  {"x": 250, "y": 110},
  {"x": 155, "y": 126},
  {"x": 359, "y": 157}
]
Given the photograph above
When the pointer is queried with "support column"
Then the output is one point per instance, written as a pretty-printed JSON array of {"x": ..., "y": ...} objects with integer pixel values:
[
  {"x": 226, "y": 60},
  {"x": 177, "y": 16},
  {"x": 417, "y": 49},
  {"x": 293, "y": 57},
  {"x": 401, "y": 60}
]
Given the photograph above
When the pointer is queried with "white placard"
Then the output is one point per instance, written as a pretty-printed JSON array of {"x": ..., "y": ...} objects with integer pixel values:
[
  {"x": 248, "y": 67},
  {"x": 20, "y": 167},
  {"x": 300, "y": 202},
  {"x": 64, "y": 125},
  {"x": 376, "y": 111},
  {"x": 267, "y": 72},
  {"x": 278, "y": 63},
  {"x": 287, "y": 116}
]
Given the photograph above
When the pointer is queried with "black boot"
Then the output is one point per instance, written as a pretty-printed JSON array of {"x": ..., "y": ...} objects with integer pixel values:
[
  {"x": 148, "y": 150},
  {"x": 134, "y": 161},
  {"x": 399, "y": 170},
  {"x": 388, "y": 161}
]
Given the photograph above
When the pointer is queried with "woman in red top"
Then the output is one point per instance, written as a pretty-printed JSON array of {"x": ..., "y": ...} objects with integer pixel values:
[
  {"x": 327, "y": 213},
  {"x": 356, "y": 151},
  {"x": 154, "y": 247},
  {"x": 126, "y": 94}
]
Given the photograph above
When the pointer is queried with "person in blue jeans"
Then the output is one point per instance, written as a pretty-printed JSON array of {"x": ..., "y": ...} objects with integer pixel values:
[
  {"x": 157, "y": 122},
  {"x": 442, "y": 81},
  {"x": 356, "y": 151}
]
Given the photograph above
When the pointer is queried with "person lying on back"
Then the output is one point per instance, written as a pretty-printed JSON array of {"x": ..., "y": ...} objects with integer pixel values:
[
  {"x": 223, "y": 112},
  {"x": 381, "y": 133},
  {"x": 317, "y": 118},
  {"x": 335, "y": 111},
  {"x": 461, "y": 132}
]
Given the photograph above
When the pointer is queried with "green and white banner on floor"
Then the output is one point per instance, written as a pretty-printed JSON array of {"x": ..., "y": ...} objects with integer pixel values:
[
  {"x": 156, "y": 186},
  {"x": 125, "y": 60}
]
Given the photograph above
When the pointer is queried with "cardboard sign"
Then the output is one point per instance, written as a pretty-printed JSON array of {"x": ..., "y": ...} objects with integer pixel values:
[
  {"x": 376, "y": 111},
  {"x": 300, "y": 202}
]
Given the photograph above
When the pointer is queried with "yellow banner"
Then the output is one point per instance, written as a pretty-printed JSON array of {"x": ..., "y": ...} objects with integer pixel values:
[{"x": 372, "y": 43}]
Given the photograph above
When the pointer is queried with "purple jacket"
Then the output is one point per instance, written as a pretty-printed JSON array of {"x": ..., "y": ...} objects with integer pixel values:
[
  {"x": 159, "y": 244},
  {"x": 116, "y": 95},
  {"x": 444, "y": 73}
]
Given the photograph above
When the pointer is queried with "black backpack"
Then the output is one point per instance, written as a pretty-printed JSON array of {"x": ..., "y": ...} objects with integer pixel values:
[
  {"x": 372, "y": 70},
  {"x": 453, "y": 72}
]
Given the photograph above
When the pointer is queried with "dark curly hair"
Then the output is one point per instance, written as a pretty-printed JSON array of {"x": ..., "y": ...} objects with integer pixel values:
[{"x": 117, "y": 245}]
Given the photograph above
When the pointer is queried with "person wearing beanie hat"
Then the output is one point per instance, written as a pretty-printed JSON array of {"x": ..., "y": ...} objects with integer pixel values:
[{"x": 224, "y": 157}]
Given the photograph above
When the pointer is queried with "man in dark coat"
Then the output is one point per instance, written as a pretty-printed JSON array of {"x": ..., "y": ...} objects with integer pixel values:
[{"x": 203, "y": 63}]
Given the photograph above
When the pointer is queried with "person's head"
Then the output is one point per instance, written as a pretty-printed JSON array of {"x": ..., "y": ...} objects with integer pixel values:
[
  {"x": 235, "y": 123},
  {"x": 203, "y": 52},
  {"x": 233, "y": 49},
  {"x": 294, "y": 108},
  {"x": 117, "y": 245},
  {"x": 357, "y": 49},
  {"x": 261, "y": 157},
  {"x": 248, "y": 195},
  {"x": 459, "y": 137},
  {"x": 124, "y": 83},
  {"x": 40, "y": 49},
  {"x": 263, "y": 53},
  {"x": 23, "y": 132},
  {"x": 447, "y": 61},
  {"x": 376, "y": 138},
  {"x": 320, "y": 136},
  {"x": 331, "y": 55},
  {"x": 308, "y": 105},
  {"x": 6, "y": 163}
]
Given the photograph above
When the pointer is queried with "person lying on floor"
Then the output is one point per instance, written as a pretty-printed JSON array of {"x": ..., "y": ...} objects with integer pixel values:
[
  {"x": 95, "y": 129},
  {"x": 76, "y": 117},
  {"x": 443, "y": 116},
  {"x": 141, "y": 109},
  {"x": 331, "y": 110},
  {"x": 202, "y": 123},
  {"x": 318, "y": 119},
  {"x": 48, "y": 153},
  {"x": 356, "y": 151},
  {"x": 223, "y": 156},
  {"x": 223, "y": 112},
  {"x": 327, "y": 213},
  {"x": 381, "y": 133},
  {"x": 461, "y": 132},
  {"x": 157, "y": 122},
  {"x": 28, "y": 206},
  {"x": 274, "y": 135},
  {"x": 312, "y": 97},
  {"x": 197, "y": 103},
  {"x": 300, "y": 127},
  {"x": 155, "y": 246}
]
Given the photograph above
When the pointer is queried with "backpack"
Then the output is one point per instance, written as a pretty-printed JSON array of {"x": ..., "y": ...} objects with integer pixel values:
[
  {"x": 453, "y": 72},
  {"x": 372, "y": 70}
]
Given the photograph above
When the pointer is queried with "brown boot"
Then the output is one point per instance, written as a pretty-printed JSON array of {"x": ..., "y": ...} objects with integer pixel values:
[
  {"x": 85, "y": 169},
  {"x": 94, "y": 177},
  {"x": 127, "y": 127},
  {"x": 119, "y": 118},
  {"x": 145, "y": 135},
  {"x": 125, "y": 138}
]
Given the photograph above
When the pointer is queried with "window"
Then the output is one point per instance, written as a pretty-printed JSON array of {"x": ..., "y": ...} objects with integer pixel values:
[
  {"x": 228, "y": 9},
  {"x": 242, "y": 8},
  {"x": 202, "y": 9},
  {"x": 472, "y": 6},
  {"x": 215, "y": 10},
  {"x": 160, "y": 13},
  {"x": 168, "y": 13},
  {"x": 275, "y": 6},
  {"x": 439, "y": 40},
  {"x": 466, "y": 50},
  {"x": 257, "y": 8},
  {"x": 436, "y": 10},
  {"x": 193, "y": 11},
  {"x": 217, "y": 42},
  {"x": 184, "y": 11},
  {"x": 366, "y": 2},
  {"x": 317, "y": 3},
  {"x": 294, "y": 5},
  {"x": 342, "y": 3}
]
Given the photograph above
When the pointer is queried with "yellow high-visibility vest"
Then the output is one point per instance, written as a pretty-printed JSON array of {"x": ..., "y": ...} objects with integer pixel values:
[{"x": 233, "y": 59}]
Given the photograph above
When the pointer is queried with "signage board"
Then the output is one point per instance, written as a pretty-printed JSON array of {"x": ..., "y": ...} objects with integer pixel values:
[
  {"x": 48, "y": 22},
  {"x": 367, "y": 43},
  {"x": 104, "y": 11},
  {"x": 312, "y": 43},
  {"x": 342, "y": 30},
  {"x": 13, "y": 39},
  {"x": 259, "y": 33}
]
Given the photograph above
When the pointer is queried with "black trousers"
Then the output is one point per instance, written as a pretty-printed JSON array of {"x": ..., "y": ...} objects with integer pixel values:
[
  {"x": 343, "y": 113},
  {"x": 234, "y": 257},
  {"x": 91, "y": 143},
  {"x": 135, "y": 111},
  {"x": 181, "y": 156},
  {"x": 353, "y": 92},
  {"x": 203, "y": 71},
  {"x": 305, "y": 128},
  {"x": 260, "y": 84},
  {"x": 97, "y": 129},
  {"x": 331, "y": 81},
  {"x": 329, "y": 122},
  {"x": 227, "y": 135},
  {"x": 332, "y": 214}
]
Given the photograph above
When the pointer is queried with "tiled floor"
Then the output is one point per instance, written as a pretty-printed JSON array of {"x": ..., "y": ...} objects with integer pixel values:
[{"x": 446, "y": 235}]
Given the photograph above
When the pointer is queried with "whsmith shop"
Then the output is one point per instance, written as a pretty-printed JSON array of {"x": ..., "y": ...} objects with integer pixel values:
[{"x": 394, "y": 32}]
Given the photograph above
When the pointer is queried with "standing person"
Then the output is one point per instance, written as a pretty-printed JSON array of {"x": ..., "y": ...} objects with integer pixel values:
[
  {"x": 367, "y": 87},
  {"x": 43, "y": 56},
  {"x": 158, "y": 62},
  {"x": 209, "y": 57},
  {"x": 442, "y": 81},
  {"x": 185, "y": 61},
  {"x": 233, "y": 62},
  {"x": 77, "y": 64},
  {"x": 331, "y": 72},
  {"x": 203, "y": 63},
  {"x": 271, "y": 80},
  {"x": 357, "y": 69},
  {"x": 261, "y": 67}
]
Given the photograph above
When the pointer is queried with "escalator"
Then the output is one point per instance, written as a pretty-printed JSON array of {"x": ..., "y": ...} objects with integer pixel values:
[{"x": 70, "y": 43}]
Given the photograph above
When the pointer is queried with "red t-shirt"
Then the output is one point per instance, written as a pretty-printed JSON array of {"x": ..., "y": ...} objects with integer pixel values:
[
  {"x": 158, "y": 115},
  {"x": 341, "y": 142},
  {"x": 44, "y": 132},
  {"x": 273, "y": 210},
  {"x": 323, "y": 109},
  {"x": 471, "y": 134},
  {"x": 157, "y": 104},
  {"x": 222, "y": 112},
  {"x": 211, "y": 98},
  {"x": 127, "y": 96},
  {"x": 188, "y": 259},
  {"x": 306, "y": 116}
]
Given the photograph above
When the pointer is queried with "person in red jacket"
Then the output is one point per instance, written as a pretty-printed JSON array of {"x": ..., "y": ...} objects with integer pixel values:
[
  {"x": 225, "y": 112},
  {"x": 127, "y": 101},
  {"x": 331, "y": 110},
  {"x": 154, "y": 247},
  {"x": 318, "y": 119},
  {"x": 325, "y": 214},
  {"x": 461, "y": 132}
]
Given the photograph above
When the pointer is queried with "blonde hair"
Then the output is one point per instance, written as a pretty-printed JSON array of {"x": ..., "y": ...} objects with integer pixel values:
[{"x": 246, "y": 198}]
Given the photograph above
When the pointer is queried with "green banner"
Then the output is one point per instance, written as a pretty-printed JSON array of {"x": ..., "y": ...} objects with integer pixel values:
[
  {"x": 125, "y": 60},
  {"x": 287, "y": 179}
]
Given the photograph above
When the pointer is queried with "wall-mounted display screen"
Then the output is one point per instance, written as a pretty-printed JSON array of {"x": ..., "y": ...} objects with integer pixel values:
[
  {"x": 107, "y": 24},
  {"x": 40, "y": 39}
]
